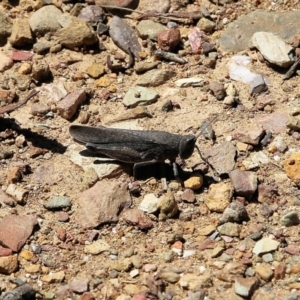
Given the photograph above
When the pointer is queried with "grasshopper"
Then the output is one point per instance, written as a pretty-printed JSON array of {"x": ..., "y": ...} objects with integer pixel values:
[{"x": 140, "y": 147}]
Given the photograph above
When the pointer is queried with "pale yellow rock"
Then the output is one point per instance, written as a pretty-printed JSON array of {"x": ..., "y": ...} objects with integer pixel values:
[
  {"x": 219, "y": 196},
  {"x": 54, "y": 277},
  {"x": 242, "y": 146},
  {"x": 122, "y": 265},
  {"x": 264, "y": 271},
  {"x": 25, "y": 68},
  {"x": 132, "y": 289},
  {"x": 8, "y": 264},
  {"x": 207, "y": 230},
  {"x": 194, "y": 182},
  {"x": 95, "y": 70},
  {"x": 295, "y": 285},
  {"x": 103, "y": 82},
  {"x": 28, "y": 255},
  {"x": 32, "y": 269},
  {"x": 97, "y": 247},
  {"x": 167, "y": 205},
  {"x": 194, "y": 281}
]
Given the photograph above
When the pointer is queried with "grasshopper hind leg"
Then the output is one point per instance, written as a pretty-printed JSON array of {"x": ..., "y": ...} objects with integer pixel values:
[{"x": 142, "y": 164}]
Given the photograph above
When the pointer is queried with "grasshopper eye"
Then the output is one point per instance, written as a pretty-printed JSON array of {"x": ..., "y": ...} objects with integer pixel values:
[{"x": 186, "y": 146}]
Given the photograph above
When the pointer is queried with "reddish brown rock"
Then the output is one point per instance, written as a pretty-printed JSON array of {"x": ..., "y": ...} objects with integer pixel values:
[
  {"x": 7, "y": 96},
  {"x": 275, "y": 122},
  {"x": 244, "y": 182},
  {"x": 67, "y": 107},
  {"x": 102, "y": 203},
  {"x": 15, "y": 230},
  {"x": 13, "y": 174},
  {"x": 87, "y": 296},
  {"x": 168, "y": 39},
  {"x": 267, "y": 193},
  {"x": 5, "y": 251},
  {"x": 138, "y": 218},
  {"x": 249, "y": 134},
  {"x": 292, "y": 250},
  {"x": 21, "y": 55},
  {"x": 279, "y": 272},
  {"x": 188, "y": 195},
  {"x": 4, "y": 198}
]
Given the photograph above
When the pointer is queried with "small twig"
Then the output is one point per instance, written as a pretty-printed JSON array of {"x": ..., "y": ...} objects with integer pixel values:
[
  {"x": 170, "y": 16},
  {"x": 11, "y": 107}
]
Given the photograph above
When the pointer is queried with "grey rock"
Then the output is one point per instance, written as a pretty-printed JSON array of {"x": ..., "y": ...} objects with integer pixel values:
[
  {"x": 45, "y": 20},
  {"x": 206, "y": 25},
  {"x": 238, "y": 33},
  {"x": 272, "y": 48},
  {"x": 221, "y": 157},
  {"x": 143, "y": 66},
  {"x": 139, "y": 96},
  {"x": 148, "y": 29},
  {"x": 267, "y": 257},
  {"x": 245, "y": 286},
  {"x": 169, "y": 276},
  {"x": 265, "y": 245},
  {"x": 244, "y": 182},
  {"x": 292, "y": 296},
  {"x": 22, "y": 81},
  {"x": 217, "y": 89},
  {"x": 234, "y": 212},
  {"x": 76, "y": 34},
  {"x": 293, "y": 123},
  {"x": 92, "y": 14},
  {"x": 5, "y": 27},
  {"x": 40, "y": 70},
  {"x": 256, "y": 236},
  {"x": 257, "y": 85},
  {"x": 229, "y": 229},
  {"x": 58, "y": 203},
  {"x": 155, "y": 77},
  {"x": 161, "y": 6},
  {"x": 124, "y": 36},
  {"x": 290, "y": 219},
  {"x": 41, "y": 48},
  {"x": 195, "y": 296}
]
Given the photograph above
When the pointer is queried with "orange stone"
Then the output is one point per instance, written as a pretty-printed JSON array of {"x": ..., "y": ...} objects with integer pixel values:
[{"x": 292, "y": 166}]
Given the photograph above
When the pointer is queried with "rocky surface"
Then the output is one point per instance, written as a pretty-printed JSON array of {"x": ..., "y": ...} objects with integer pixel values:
[{"x": 77, "y": 225}]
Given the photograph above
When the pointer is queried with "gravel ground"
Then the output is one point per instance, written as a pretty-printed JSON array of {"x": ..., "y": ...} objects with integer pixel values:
[{"x": 75, "y": 226}]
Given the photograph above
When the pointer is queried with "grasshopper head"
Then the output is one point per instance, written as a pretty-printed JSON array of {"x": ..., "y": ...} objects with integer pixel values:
[{"x": 186, "y": 146}]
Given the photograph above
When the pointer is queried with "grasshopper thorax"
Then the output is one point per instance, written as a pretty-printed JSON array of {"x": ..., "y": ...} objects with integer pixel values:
[{"x": 186, "y": 146}]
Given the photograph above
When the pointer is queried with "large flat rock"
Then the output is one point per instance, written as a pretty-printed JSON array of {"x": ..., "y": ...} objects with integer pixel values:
[{"x": 238, "y": 34}]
